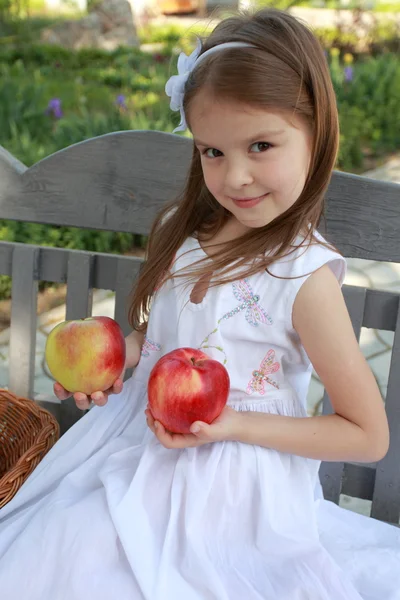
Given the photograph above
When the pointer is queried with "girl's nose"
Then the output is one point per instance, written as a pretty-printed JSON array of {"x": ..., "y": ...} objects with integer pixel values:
[{"x": 238, "y": 174}]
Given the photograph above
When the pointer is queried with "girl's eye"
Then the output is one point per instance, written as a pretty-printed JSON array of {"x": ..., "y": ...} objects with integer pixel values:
[
  {"x": 260, "y": 146},
  {"x": 212, "y": 153}
]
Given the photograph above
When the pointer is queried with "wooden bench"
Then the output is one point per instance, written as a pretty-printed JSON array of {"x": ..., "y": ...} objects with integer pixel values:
[{"x": 118, "y": 182}]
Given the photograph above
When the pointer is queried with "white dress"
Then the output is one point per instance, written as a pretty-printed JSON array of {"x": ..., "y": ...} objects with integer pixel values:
[{"x": 110, "y": 513}]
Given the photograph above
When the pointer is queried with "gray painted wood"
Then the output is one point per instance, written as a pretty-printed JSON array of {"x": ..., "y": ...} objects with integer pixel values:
[
  {"x": 113, "y": 182},
  {"x": 82, "y": 271},
  {"x": 379, "y": 483},
  {"x": 79, "y": 285},
  {"x": 124, "y": 177},
  {"x": 23, "y": 320},
  {"x": 386, "y": 497},
  {"x": 358, "y": 481},
  {"x": 381, "y": 310},
  {"x": 363, "y": 217},
  {"x": 126, "y": 275},
  {"x": 78, "y": 306},
  {"x": 10, "y": 167},
  {"x": 54, "y": 264}
]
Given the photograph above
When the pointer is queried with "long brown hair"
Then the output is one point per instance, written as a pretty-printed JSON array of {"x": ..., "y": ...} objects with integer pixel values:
[{"x": 286, "y": 69}]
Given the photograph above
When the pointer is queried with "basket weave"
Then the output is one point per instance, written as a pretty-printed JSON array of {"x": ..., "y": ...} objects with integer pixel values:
[{"x": 27, "y": 432}]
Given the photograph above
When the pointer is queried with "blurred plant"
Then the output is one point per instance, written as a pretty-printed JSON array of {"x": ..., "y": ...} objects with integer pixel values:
[
  {"x": 54, "y": 108},
  {"x": 12, "y": 9},
  {"x": 348, "y": 73},
  {"x": 281, "y": 4},
  {"x": 92, "y": 88},
  {"x": 120, "y": 102}
]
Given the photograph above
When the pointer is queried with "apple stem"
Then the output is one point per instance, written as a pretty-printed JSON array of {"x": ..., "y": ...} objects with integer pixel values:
[
  {"x": 193, "y": 361},
  {"x": 204, "y": 346}
]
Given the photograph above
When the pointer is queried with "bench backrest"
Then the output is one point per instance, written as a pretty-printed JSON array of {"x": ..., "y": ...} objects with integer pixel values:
[{"x": 118, "y": 182}]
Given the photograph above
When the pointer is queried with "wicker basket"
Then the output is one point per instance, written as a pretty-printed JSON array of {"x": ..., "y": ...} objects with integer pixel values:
[{"x": 27, "y": 432}]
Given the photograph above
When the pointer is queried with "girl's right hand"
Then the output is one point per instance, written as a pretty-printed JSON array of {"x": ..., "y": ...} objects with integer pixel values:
[
  {"x": 134, "y": 343},
  {"x": 83, "y": 401}
]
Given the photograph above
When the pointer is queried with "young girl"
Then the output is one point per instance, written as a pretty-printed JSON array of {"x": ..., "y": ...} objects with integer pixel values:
[{"x": 233, "y": 510}]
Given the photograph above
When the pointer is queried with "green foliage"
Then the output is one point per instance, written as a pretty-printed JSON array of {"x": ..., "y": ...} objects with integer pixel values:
[
  {"x": 280, "y": 4},
  {"x": 380, "y": 38},
  {"x": 10, "y": 10},
  {"x": 369, "y": 108},
  {"x": 104, "y": 91}
]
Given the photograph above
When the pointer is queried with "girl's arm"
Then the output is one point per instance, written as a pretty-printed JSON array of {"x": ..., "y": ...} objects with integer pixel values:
[
  {"x": 134, "y": 342},
  {"x": 358, "y": 429}
]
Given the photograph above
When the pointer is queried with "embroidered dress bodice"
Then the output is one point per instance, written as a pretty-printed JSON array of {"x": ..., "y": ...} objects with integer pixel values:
[
  {"x": 111, "y": 513},
  {"x": 246, "y": 325}
]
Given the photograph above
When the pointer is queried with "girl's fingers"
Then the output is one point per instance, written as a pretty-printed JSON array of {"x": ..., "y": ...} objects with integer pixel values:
[
  {"x": 60, "y": 392},
  {"x": 117, "y": 386},
  {"x": 81, "y": 400},
  {"x": 99, "y": 398},
  {"x": 149, "y": 420}
]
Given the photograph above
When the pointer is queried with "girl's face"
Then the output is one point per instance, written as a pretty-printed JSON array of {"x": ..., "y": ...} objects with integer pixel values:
[{"x": 255, "y": 162}]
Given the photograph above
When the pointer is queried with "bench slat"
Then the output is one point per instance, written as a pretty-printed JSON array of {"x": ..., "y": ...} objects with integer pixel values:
[
  {"x": 358, "y": 480},
  {"x": 79, "y": 306},
  {"x": 127, "y": 176},
  {"x": 54, "y": 264},
  {"x": 386, "y": 498},
  {"x": 125, "y": 277},
  {"x": 362, "y": 217},
  {"x": 124, "y": 178},
  {"x": 380, "y": 306},
  {"x": 381, "y": 310},
  {"x": 332, "y": 473},
  {"x": 79, "y": 290},
  {"x": 24, "y": 291}
]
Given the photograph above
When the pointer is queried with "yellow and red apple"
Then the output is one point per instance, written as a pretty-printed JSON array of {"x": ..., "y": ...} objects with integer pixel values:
[
  {"x": 86, "y": 355},
  {"x": 185, "y": 386}
]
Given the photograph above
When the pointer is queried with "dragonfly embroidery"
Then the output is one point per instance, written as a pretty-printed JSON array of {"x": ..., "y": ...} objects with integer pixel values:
[
  {"x": 260, "y": 376},
  {"x": 149, "y": 346},
  {"x": 249, "y": 302}
]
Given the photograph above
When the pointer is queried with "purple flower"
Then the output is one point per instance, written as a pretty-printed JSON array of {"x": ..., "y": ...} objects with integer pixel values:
[
  {"x": 348, "y": 73},
  {"x": 159, "y": 58},
  {"x": 120, "y": 102},
  {"x": 54, "y": 108}
]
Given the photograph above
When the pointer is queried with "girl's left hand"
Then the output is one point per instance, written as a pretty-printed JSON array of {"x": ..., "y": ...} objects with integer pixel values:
[{"x": 224, "y": 427}]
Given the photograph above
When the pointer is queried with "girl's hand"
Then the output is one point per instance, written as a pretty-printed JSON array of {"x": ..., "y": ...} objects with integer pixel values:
[
  {"x": 224, "y": 427},
  {"x": 83, "y": 401},
  {"x": 133, "y": 343}
]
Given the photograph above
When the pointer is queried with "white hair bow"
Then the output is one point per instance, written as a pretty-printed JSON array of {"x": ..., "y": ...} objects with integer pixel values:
[{"x": 175, "y": 86}]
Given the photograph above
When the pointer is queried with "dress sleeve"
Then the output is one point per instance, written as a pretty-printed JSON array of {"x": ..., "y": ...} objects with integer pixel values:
[{"x": 303, "y": 263}]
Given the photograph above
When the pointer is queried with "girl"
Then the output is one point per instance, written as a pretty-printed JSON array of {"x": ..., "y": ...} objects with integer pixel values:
[{"x": 233, "y": 510}]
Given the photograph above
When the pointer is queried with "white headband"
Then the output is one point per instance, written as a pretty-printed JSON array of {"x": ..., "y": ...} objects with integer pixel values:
[{"x": 175, "y": 86}]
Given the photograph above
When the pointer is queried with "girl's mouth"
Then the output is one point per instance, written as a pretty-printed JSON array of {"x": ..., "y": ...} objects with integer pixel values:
[{"x": 248, "y": 202}]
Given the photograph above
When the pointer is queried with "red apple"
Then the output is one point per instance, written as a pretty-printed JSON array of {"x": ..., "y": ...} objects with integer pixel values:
[
  {"x": 186, "y": 386},
  {"x": 86, "y": 355}
]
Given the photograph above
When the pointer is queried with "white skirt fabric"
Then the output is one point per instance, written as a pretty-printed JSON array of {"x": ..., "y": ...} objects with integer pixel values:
[{"x": 110, "y": 513}]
